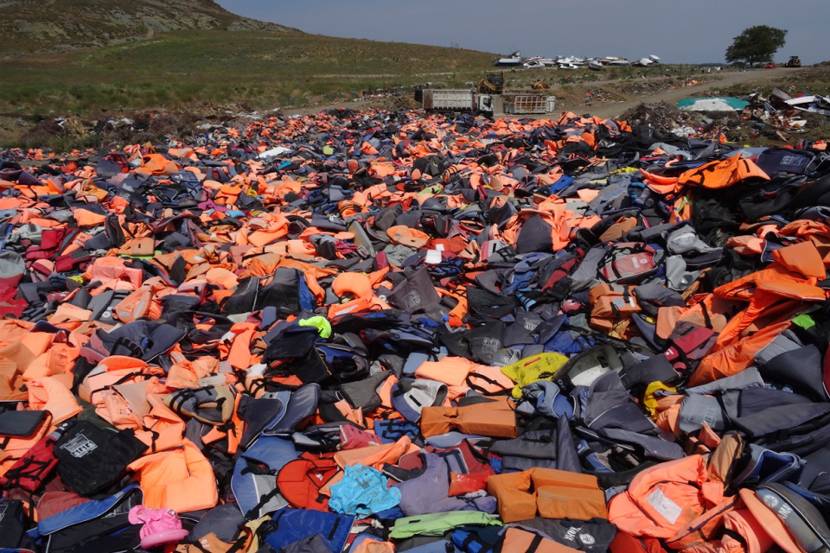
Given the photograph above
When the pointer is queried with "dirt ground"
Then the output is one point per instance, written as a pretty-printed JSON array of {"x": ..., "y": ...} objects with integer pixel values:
[
  {"x": 608, "y": 98},
  {"x": 603, "y": 98},
  {"x": 672, "y": 94}
]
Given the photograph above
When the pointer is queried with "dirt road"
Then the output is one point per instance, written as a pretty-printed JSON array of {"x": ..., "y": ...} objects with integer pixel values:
[{"x": 608, "y": 109}]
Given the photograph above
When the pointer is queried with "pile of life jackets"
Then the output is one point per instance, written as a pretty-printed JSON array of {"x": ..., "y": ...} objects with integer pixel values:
[{"x": 381, "y": 332}]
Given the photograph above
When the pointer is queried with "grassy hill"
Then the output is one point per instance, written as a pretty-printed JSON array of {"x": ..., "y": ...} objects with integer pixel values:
[
  {"x": 54, "y": 25},
  {"x": 215, "y": 68},
  {"x": 94, "y": 57}
]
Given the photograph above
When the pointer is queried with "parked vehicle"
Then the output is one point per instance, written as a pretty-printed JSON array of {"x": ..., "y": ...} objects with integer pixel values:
[
  {"x": 492, "y": 83},
  {"x": 615, "y": 60},
  {"x": 571, "y": 61},
  {"x": 518, "y": 103},
  {"x": 534, "y": 64},
  {"x": 512, "y": 60},
  {"x": 794, "y": 61},
  {"x": 528, "y": 104},
  {"x": 449, "y": 99}
]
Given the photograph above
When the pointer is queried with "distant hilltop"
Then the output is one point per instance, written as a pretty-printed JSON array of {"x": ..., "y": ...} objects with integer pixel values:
[{"x": 57, "y": 25}]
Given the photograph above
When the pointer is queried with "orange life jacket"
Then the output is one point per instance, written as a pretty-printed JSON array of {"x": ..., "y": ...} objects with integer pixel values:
[
  {"x": 665, "y": 500},
  {"x": 180, "y": 479},
  {"x": 492, "y": 418},
  {"x": 301, "y": 480},
  {"x": 722, "y": 173}
]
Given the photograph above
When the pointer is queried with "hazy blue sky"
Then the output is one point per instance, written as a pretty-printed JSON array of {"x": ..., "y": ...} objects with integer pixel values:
[{"x": 677, "y": 30}]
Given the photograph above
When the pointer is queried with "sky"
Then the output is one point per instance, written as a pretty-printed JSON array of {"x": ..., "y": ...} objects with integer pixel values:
[{"x": 679, "y": 31}]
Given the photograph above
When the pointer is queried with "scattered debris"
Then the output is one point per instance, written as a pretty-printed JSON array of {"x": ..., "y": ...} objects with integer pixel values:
[
  {"x": 713, "y": 104},
  {"x": 391, "y": 329}
]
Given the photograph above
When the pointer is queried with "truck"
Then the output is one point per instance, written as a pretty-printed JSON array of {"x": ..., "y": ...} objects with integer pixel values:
[
  {"x": 449, "y": 99},
  {"x": 514, "y": 103},
  {"x": 528, "y": 103},
  {"x": 794, "y": 61}
]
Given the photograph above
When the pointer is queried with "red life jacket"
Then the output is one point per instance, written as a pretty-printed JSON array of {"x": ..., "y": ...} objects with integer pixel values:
[
  {"x": 301, "y": 480},
  {"x": 32, "y": 470}
]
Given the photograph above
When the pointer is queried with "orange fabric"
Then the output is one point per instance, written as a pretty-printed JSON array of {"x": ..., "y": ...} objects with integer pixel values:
[
  {"x": 512, "y": 491},
  {"x": 517, "y": 539},
  {"x": 240, "y": 356},
  {"x": 664, "y": 499},
  {"x": 52, "y": 394},
  {"x": 493, "y": 418},
  {"x": 373, "y": 546},
  {"x": 753, "y": 533},
  {"x": 402, "y": 234},
  {"x": 187, "y": 374},
  {"x": 563, "y": 222},
  {"x": 801, "y": 258},
  {"x": 162, "y": 429},
  {"x": 358, "y": 285},
  {"x": 85, "y": 218},
  {"x": 550, "y": 492},
  {"x": 453, "y": 371},
  {"x": 722, "y": 173},
  {"x": 180, "y": 479},
  {"x": 376, "y": 455},
  {"x": 67, "y": 313},
  {"x": 489, "y": 380},
  {"x": 110, "y": 370},
  {"x": 157, "y": 164},
  {"x": 769, "y": 521},
  {"x": 135, "y": 306},
  {"x": 563, "y": 494},
  {"x": 734, "y": 358}
]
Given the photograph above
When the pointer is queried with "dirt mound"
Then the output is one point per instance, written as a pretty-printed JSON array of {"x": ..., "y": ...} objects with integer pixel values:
[
  {"x": 663, "y": 116},
  {"x": 666, "y": 119}
]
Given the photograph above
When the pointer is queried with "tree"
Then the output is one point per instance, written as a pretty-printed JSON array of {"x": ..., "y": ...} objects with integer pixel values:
[{"x": 756, "y": 44}]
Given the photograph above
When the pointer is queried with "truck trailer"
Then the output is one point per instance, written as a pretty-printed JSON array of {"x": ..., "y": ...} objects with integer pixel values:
[
  {"x": 528, "y": 103},
  {"x": 449, "y": 99},
  {"x": 512, "y": 103}
]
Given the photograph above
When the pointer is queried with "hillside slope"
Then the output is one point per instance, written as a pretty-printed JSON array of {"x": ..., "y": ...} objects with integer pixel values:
[
  {"x": 105, "y": 58},
  {"x": 54, "y": 25},
  {"x": 217, "y": 68}
]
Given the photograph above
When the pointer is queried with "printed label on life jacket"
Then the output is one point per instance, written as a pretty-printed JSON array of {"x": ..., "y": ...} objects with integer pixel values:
[
  {"x": 575, "y": 532},
  {"x": 779, "y": 507},
  {"x": 791, "y": 161},
  {"x": 529, "y": 325},
  {"x": 79, "y": 446},
  {"x": 667, "y": 508},
  {"x": 412, "y": 300},
  {"x": 587, "y": 539},
  {"x": 489, "y": 345}
]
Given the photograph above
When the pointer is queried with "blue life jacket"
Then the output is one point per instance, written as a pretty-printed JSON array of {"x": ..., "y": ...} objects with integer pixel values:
[
  {"x": 271, "y": 451},
  {"x": 291, "y": 525},
  {"x": 86, "y": 512}
]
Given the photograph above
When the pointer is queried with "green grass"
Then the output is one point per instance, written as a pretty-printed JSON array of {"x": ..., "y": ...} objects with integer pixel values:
[
  {"x": 207, "y": 72},
  {"x": 256, "y": 69},
  {"x": 812, "y": 80},
  {"x": 250, "y": 69}
]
